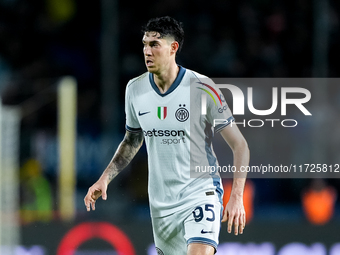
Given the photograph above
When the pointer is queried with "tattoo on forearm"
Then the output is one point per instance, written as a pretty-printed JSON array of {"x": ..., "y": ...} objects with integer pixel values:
[{"x": 125, "y": 153}]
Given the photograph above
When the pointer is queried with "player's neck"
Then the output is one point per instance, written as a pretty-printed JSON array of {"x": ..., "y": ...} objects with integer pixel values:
[{"x": 166, "y": 78}]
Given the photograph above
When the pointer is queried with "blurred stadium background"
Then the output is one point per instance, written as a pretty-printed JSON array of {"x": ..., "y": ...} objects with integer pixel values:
[{"x": 65, "y": 57}]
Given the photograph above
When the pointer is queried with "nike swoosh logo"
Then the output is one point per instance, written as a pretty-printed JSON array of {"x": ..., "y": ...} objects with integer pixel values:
[
  {"x": 142, "y": 113},
  {"x": 206, "y": 232}
]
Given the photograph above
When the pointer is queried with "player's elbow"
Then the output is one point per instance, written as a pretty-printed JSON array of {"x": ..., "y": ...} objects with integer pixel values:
[{"x": 241, "y": 146}]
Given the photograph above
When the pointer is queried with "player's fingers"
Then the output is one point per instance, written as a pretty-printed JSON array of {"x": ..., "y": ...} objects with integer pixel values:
[
  {"x": 244, "y": 222},
  {"x": 93, "y": 205},
  {"x": 230, "y": 222},
  {"x": 241, "y": 224},
  {"x": 87, "y": 203},
  {"x": 87, "y": 207},
  {"x": 241, "y": 229},
  {"x": 104, "y": 195},
  {"x": 236, "y": 224}
]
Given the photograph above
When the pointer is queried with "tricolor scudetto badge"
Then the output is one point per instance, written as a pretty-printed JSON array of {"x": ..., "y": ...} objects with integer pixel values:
[{"x": 162, "y": 112}]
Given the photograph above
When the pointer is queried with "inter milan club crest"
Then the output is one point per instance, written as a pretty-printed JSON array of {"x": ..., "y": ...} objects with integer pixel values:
[
  {"x": 162, "y": 112},
  {"x": 182, "y": 114}
]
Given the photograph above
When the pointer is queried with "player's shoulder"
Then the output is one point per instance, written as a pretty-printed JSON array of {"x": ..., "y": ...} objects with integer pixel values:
[
  {"x": 200, "y": 79},
  {"x": 138, "y": 79},
  {"x": 197, "y": 75}
]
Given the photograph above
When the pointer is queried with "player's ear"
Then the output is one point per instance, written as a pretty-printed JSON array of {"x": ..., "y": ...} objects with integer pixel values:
[{"x": 174, "y": 47}]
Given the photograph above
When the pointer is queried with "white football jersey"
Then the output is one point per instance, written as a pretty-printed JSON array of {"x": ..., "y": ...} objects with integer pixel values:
[{"x": 177, "y": 136}]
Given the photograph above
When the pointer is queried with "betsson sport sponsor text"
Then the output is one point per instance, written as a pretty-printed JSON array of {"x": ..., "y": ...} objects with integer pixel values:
[{"x": 178, "y": 136}]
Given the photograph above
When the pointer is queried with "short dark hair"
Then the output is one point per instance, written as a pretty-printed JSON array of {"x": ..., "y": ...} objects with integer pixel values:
[{"x": 166, "y": 26}]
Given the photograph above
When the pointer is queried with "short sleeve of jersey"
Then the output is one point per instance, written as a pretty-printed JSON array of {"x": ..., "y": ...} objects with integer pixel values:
[
  {"x": 132, "y": 123},
  {"x": 218, "y": 112}
]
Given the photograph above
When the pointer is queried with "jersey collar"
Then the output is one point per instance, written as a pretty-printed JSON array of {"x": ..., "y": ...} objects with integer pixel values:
[{"x": 173, "y": 86}]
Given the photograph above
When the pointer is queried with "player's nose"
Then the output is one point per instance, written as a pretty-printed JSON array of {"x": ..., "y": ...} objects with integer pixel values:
[{"x": 147, "y": 50}]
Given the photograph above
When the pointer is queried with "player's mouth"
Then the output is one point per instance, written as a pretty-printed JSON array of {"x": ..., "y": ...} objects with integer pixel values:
[{"x": 149, "y": 62}]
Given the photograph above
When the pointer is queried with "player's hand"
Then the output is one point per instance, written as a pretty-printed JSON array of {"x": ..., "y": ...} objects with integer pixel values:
[
  {"x": 95, "y": 191},
  {"x": 235, "y": 214}
]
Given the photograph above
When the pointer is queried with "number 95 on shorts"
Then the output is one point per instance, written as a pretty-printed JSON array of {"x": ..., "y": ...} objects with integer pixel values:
[
  {"x": 204, "y": 224},
  {"x": 198, "y": 224}
]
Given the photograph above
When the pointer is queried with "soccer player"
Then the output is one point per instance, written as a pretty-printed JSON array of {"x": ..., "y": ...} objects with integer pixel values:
[{"x": 163, "y": 107}]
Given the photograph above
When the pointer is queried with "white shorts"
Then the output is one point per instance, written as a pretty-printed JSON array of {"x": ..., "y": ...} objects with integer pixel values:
[{"x": 198, "y": 224}]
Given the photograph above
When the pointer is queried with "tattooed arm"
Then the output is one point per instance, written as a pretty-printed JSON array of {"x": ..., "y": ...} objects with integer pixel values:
[{"x": 124, "y": 154}]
